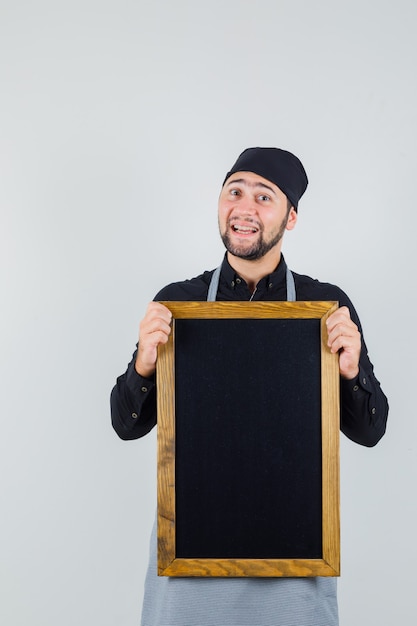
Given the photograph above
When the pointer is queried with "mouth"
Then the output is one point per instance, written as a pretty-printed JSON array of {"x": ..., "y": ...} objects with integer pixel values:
[{"x": 244, "y": 229}]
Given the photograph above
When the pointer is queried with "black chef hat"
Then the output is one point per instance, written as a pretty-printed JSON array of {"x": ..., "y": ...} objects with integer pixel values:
[{"x": 279, "y": 166}]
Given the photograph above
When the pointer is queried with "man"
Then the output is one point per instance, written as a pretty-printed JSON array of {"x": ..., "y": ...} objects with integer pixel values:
[{"x": 257, "y": 204}]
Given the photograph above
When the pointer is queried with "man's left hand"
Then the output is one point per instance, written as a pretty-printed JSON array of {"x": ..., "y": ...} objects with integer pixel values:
[{"x": 345, "y": 338}]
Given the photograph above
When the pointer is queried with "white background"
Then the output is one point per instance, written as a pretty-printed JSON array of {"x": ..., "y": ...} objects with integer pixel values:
[{"x": 118, "y": 122}]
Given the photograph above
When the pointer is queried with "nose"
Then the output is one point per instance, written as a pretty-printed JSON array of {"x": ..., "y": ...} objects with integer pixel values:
[{"x": 247, "y": 206}]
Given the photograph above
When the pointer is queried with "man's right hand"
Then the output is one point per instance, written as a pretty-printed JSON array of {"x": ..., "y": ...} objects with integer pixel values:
[{"x": 154, "y": 330}]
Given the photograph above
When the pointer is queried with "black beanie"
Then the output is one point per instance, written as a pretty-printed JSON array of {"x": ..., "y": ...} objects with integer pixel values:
[{"x": 280, "y": 167}]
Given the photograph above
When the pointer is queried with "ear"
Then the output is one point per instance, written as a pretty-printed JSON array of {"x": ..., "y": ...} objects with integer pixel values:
[{"x": 292, "y": 219}]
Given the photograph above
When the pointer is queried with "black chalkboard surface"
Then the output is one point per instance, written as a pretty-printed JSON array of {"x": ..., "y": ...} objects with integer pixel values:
[{"x": 248, "y": 435}]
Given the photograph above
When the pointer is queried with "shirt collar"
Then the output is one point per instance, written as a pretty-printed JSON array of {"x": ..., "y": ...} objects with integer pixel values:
[{"x": 272, "y": 281}]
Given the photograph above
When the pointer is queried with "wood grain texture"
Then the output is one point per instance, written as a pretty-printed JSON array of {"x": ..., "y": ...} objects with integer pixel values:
[
  {"x": 168, "y": 563},
  {"x": 238, "y": 568},
  {"x": 166, "y": 454},
  {"x": 330, "y": 450},
  {"x": 242, "y": 310}
]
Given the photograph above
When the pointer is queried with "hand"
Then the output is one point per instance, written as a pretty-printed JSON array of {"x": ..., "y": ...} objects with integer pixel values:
[
  {"x": 345, "y": 338},
  {"x": 154, "y": 330}
]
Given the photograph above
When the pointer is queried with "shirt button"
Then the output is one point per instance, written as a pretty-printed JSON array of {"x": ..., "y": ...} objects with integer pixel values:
[
  {"x": 270, "y": 286},
  {"x": 233, "y": 283},
  {"x": 238, "y": 281},
  {"x": 364, "y": 381},
  {"x": 373, "y": 410},
  {"x": 144, "y": 389},
  {"x": 355, "y": 388},
  {"x": 134, "y": 415}
]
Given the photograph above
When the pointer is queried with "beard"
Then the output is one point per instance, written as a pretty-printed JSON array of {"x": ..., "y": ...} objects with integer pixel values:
[{"x": 259, "y": 248}]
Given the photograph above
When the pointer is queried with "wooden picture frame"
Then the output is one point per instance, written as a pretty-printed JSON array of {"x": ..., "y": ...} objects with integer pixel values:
[{"x": 248, "y": 441}]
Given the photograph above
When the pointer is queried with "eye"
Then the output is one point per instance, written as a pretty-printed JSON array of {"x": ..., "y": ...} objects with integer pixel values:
[
  {"x": 263, "y": 198},
  {"x": 234, "y": 192}
]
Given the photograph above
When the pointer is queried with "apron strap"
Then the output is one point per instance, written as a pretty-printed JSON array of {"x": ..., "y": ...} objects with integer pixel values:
[
  {"x": 214, "y": 285},
  {"x": 291, "y": 294}
]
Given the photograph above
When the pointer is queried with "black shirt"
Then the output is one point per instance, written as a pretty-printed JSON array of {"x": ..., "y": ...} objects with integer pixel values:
[{"x": 364, "y": 407}]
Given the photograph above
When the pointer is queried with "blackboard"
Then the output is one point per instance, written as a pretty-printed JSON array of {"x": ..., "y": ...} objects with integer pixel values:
[{"x": 248, "y": 423}]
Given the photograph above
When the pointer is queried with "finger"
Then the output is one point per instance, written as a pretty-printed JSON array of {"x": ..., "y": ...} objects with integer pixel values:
[
  {"x": 148, "y": 349},
  {"x": 149, "y": 327},
  {"x": 346, "y": 338},
  {"x": 341, "y": 315},
  {"x": 344, "y": 342},
  {"x": 156, "y": 309},
  {"x": 157, "y": 317},
  {"x": 343, "y": 330}
]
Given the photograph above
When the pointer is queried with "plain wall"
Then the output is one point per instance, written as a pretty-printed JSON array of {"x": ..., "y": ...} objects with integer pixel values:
[{"x": 118, "y": 122}]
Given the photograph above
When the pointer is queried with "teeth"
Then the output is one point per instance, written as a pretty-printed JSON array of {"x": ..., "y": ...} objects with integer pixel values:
[{"x": 244, "y": 229}]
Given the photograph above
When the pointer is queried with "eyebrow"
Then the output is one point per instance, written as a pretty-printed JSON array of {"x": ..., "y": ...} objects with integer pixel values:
[{"x": 243, "y": 181}]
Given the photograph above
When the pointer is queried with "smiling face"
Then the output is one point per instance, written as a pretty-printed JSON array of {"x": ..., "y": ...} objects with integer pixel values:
[{"x": 253, "y": 216}]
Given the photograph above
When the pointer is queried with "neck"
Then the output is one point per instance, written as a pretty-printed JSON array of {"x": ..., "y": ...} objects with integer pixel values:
[{"x": 253, "y": 271}]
